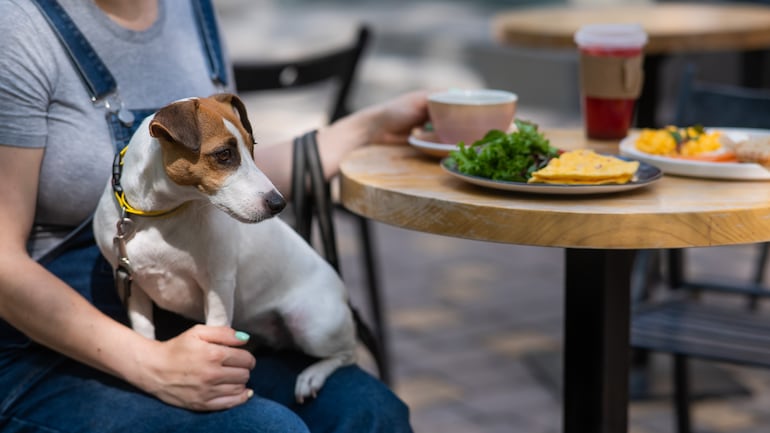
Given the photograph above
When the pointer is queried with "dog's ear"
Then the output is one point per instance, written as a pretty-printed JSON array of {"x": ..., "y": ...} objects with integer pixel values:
[
  {"x": 178, "y": 123},
  {"x": 238, "y": 107}
]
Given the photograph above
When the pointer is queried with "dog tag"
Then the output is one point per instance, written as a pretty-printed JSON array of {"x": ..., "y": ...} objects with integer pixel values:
[{"x": 125, "y": 116}]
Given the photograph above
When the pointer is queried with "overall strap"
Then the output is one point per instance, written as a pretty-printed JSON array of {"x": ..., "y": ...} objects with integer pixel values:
[
  {"x": 97, "y": 78},
  {"x": 95, "y": 75},
  {"x": 212, "y": 44}
]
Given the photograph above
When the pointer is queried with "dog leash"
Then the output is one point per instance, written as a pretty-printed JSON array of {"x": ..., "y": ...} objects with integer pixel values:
[{"x": 125, "y": 227}]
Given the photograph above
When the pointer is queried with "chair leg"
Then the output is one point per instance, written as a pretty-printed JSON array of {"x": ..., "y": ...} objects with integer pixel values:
[
  {"x": 759, "y": 272},
  {"x": 375, "y": 298},
  {"x": 675, "y": 268},
  {"x": 681, "y": 381},
  {"x": 643, "y": 275}
]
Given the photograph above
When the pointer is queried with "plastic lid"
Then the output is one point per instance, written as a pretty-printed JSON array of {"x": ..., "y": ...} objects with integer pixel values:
[{"x": 611, "y": 35}]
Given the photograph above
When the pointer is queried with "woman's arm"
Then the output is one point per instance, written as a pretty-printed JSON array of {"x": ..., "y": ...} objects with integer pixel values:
[
  {"x": 199, "y": 370},
  {"x": 385, "y": 123}
]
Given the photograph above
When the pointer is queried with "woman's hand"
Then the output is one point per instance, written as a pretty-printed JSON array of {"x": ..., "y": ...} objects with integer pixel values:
[
  {"x": 202, "y": 369},
  {"x": 389, "y": 122},
  {"x": 395, "y": 118}
]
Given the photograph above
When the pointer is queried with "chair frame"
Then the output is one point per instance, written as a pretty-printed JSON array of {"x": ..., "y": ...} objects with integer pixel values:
[
  {"x": 684, "y": 326},
  {"x": 338, "y": 65}
]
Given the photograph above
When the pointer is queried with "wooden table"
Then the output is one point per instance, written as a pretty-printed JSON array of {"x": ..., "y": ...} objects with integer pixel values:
[
  {"x": 401, "y": 187},
  {"x": 673, "y": 28}
]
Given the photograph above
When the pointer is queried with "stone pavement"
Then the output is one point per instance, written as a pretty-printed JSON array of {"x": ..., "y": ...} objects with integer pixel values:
[{"x": 465, "y": 317}]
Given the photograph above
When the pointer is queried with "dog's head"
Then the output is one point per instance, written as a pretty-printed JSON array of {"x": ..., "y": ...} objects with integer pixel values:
[{"x": 207, "y": 143}]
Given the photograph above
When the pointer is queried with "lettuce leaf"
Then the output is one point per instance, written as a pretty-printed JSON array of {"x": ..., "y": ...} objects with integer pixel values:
[{"x": 507, "y": 157}]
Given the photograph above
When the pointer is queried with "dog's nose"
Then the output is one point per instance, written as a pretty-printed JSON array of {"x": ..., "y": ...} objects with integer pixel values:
[{"x": 275, "y": 202}]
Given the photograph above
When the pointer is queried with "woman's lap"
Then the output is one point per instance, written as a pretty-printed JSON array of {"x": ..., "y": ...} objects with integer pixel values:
[
  {"x": 50, "y": 394},
  {"x": 351, "y": 400},
  {"x": 66, "y": 396}
]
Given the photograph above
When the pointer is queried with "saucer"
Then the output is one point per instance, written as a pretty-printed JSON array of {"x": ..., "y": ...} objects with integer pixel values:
[{"x": 428, "y": 143}]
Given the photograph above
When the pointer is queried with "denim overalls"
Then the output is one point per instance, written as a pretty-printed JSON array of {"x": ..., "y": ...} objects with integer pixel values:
[{"x": 79, "y": 262}]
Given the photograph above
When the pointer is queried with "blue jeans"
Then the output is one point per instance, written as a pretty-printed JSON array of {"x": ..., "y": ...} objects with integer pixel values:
[{"x": 42, "y": 391}]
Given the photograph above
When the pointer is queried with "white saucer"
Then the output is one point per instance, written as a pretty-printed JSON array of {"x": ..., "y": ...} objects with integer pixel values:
[{"x": 428, "y": 143}]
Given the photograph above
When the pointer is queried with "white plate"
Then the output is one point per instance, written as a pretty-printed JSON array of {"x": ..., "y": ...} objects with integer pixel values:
[
  {"x": 428, "y": 143},
  {"x": 711, "y": 170},
  {"x": 645, "y": 175}
]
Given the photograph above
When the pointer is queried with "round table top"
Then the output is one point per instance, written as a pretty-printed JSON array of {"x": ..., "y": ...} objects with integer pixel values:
[
  {"x": 671, "y": 27},
  {"x": 400, "y": 186}
]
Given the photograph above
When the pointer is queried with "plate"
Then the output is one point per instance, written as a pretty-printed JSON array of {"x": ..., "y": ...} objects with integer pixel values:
[
  {"x": 645, "y": 175},
  {"x": 429, "y": 143},
  {"x": 704, "y": 169}
]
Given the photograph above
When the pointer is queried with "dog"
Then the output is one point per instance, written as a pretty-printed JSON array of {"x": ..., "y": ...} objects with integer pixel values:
[{"x": 202, "y": 241}]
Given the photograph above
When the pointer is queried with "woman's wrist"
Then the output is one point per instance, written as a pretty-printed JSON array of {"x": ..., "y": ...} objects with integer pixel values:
[
  {"x": 338, "y": 139},
  {"x": 138, "y": 368}
]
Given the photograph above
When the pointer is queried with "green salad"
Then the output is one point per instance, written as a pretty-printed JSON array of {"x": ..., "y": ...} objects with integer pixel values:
[{"x": 505, "y": 156}]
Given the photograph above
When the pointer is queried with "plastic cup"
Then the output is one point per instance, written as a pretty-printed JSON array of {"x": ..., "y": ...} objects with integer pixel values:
[{"x": 611, "y": 77}]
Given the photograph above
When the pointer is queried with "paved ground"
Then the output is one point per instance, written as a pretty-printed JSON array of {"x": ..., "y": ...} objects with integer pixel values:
[{"x": 465, "y": 318}]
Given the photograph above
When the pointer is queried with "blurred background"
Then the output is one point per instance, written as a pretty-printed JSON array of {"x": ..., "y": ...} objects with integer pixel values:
[{"x": 469, "y": 320}]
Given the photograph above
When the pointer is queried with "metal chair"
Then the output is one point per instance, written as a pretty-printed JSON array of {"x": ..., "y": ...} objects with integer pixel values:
[
  {"x": 683, "y": 325},
  {"x": 336, "y": 67}
]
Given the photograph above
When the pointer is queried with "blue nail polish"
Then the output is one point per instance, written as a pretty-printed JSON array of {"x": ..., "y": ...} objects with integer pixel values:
[{"x": 242, "y": 336}]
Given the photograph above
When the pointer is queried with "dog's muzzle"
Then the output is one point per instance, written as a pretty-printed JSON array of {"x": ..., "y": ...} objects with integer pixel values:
[{"x": 275, "y": 202}]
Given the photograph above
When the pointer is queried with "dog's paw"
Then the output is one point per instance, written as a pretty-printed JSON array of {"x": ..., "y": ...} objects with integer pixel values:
[{"x": 309, "y": 382}]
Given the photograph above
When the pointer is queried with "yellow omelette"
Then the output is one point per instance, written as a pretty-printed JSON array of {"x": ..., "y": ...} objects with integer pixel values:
[{"x": 585, "y": 167}]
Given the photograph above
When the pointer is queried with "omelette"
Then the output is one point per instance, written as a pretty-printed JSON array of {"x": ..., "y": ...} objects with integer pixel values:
[{"x": 585, "y": 167}]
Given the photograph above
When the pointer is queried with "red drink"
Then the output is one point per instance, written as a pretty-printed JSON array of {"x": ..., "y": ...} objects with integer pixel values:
[
  {"x": 611, "y": 71},
  {"x": 605, "y": 118}
]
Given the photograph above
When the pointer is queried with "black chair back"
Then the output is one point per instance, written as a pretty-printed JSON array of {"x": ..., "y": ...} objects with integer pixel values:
[
  {"x": 336, "y": 65},
  {"x": 715, "y": 104}
]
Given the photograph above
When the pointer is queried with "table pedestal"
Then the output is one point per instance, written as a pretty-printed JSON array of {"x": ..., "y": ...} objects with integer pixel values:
[{"x": 596, "y": 328}]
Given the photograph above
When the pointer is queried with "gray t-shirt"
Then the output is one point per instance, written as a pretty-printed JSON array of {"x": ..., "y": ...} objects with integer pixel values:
[{"x": 44, "y": 103}]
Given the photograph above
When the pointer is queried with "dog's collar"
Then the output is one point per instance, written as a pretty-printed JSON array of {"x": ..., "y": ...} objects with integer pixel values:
[{"x": 120, "y": 195}]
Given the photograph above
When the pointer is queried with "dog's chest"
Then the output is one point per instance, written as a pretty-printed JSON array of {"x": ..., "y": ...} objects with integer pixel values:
[{"x": 168, "y": 272}]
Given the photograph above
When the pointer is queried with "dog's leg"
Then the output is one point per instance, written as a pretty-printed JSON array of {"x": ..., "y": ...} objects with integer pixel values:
[
  {"x": 327, "y": 333},
  {"x": 140, "y": 312},
  {"x": 220, "y": 301}
]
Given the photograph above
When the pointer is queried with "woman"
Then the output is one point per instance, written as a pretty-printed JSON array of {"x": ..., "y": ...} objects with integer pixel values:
[{"x": 67, "y": 359}]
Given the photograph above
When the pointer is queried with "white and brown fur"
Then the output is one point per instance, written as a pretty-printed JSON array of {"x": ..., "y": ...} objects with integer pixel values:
[{"x": 220, "y": 258}]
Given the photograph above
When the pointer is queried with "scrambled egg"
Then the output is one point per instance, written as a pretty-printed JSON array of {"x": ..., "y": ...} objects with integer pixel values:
[
  {"x": 585, "y": 167},
  {"x": 673, "y": 141}
]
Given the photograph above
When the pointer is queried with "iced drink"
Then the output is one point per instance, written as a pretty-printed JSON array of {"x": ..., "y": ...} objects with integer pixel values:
[{"x": 610, "y": 77}]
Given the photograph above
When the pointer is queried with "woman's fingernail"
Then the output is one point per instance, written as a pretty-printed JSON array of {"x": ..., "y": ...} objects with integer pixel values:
[
  {"x": 249, "y": 393},
  {"x": 242, "y": 336}
]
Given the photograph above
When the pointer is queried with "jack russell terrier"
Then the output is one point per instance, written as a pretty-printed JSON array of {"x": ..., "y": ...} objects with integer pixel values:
[{"x": 194, "y": 222}]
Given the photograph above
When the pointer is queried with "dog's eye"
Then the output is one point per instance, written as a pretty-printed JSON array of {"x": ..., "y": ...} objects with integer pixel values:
[{"x": 224, "y": 156}]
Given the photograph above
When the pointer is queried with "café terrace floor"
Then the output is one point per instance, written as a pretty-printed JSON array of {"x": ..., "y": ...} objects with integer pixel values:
[{"x": 473, "y": 326}]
